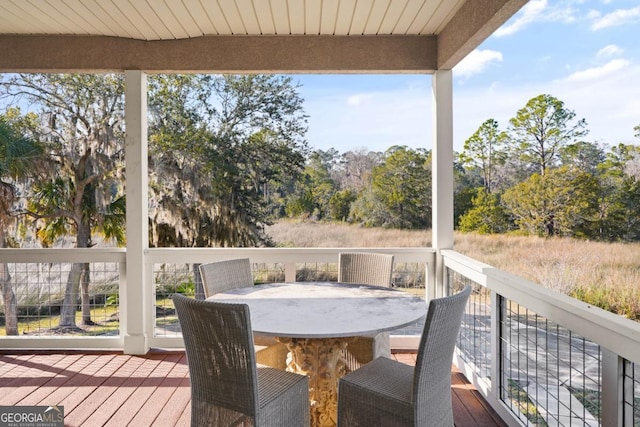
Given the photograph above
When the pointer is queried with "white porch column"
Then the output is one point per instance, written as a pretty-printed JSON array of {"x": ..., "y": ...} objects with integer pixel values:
[
  {"x": 134, "y": 303},
  {"x": 442, "y": 159}
]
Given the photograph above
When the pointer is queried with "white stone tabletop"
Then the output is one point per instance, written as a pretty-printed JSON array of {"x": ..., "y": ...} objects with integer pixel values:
[{"x": 324, "y": 309}]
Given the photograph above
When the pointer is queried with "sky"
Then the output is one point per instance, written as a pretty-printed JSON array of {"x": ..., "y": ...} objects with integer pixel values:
[{"x": 584, "y": 52}]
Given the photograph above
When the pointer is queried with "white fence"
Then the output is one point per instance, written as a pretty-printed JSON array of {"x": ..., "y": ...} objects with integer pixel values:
[{"x": 25, "y": 265}]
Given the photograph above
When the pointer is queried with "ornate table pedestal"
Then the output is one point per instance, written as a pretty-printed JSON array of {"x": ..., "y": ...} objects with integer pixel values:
[{"x": 323, "y": 361}]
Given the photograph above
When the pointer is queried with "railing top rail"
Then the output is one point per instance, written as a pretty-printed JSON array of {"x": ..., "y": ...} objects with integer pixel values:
[
  {"x": 284, "y": 255},
  {"x": 30, "y": 255},
  {"x": 191, "y": 255}
]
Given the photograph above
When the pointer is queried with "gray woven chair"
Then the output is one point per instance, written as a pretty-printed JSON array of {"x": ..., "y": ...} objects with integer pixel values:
[
  {"x": 221, "y": 276},
  {"x": 227, "y": 387},
  {"x": 389, "y": 393},
  {"x": 366, "y": 269}
]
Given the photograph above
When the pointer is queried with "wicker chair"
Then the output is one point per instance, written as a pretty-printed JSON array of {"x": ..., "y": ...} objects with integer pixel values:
[
  {"x": 227, "y": 388},
  {"x": 367, "y": 269},
  {"x": 223, "y": 276},
  {"x": 389, "y": 393}
]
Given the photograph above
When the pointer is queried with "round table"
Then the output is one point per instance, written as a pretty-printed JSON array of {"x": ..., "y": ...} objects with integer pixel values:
[{"x": 316, "y": 320}]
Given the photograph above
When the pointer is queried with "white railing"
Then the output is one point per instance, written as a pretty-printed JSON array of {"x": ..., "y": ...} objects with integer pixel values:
[
  {"x": 290, "y": 258},
  {"x": 36, "y": 257},
  {"x": 600, "y": 346}
]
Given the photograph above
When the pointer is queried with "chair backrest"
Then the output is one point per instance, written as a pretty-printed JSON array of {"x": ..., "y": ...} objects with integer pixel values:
[
  {"x": 222, "y": 366},
  {"x": 432, "y": 376},
  {"x": 222, "y": 276},
  {"x": 365, "y": 268}
]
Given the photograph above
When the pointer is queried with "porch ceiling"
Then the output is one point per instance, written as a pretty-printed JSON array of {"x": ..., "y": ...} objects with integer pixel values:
[
  {"x": 168, "y": 20},
  {"x": 245, "y": 35}
]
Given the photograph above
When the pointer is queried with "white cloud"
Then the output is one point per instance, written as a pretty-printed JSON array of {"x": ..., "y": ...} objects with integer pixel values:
[
  {"x": 615, "y": 18},
  {"x": 609, "y": 50},
  {"x": 539, "y": 11},
  {"x": 476, "y": 62},
  {"x": 594, "y": 14},
  {"x": 559, "y": 13},
  {"x": 598, "y": 72},
  {"x": 358, "y": 99},
  {"x": 403, "y": 115},
  {"x": 609, "y": 104},
  {"x": 529, "y": 13}
]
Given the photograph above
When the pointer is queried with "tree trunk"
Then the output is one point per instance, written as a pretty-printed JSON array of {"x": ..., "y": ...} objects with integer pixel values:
[
  {"x": 8, "y": 296},
  {"x": 72, "y": 290},
  {"x": 550, "y": 226},
  {"x": 10, "y": 303},
  {"x": 70, "y": 304},
  {"x": 85, "y": 281}
]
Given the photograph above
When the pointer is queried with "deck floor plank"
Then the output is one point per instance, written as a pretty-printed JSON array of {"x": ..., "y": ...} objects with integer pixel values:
[
  {"x": 48, "y": 387},
  {"x": 9, "y": 362},
  {"x": 171, "y": 415},
  {"x": 161, "y": 396},
  {"x": 63, "y": 389},
  {"x": 57, "y": 389},
  {"x": 22, "y": 392},
  {"x": 23, "y": 376},
  {"x": 114, "y": 389},
  {"x": 143, "y": 391},
  {"x": 185, "y": 419},
  {"x": 111, "y": 394},
  {"x": 472, "y": 409},
  {"x": 17, "y": 375},
  {"x": 83, "y": 384},
  {"x": 88, "y": 384},
  {"x": 121, "y": 391}
]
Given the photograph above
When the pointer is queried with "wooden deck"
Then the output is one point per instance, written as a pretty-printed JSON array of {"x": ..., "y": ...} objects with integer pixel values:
[{"x": 112, "y": 389}]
